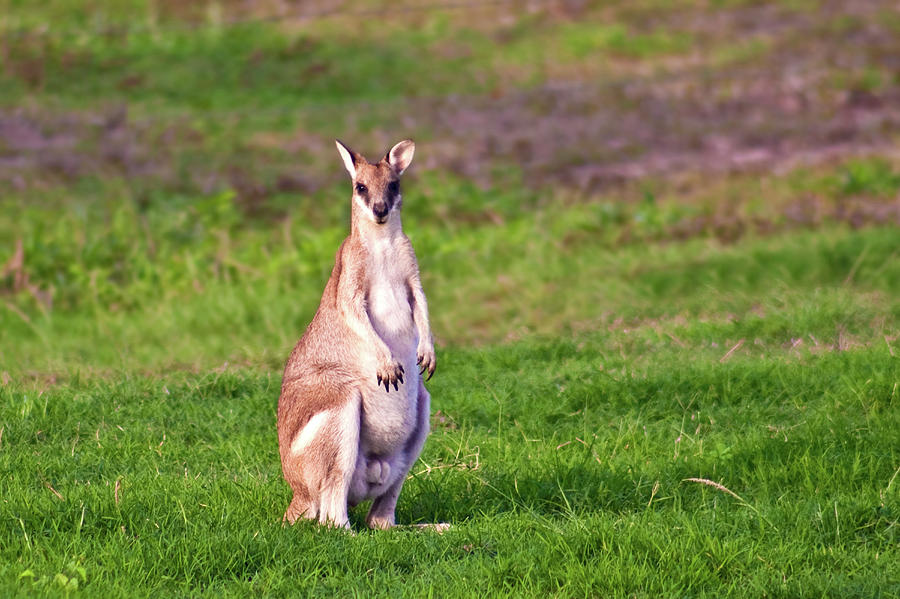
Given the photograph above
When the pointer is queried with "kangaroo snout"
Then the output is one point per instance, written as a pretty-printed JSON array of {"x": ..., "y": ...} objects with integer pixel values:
[{"x": 380, "y": 210}]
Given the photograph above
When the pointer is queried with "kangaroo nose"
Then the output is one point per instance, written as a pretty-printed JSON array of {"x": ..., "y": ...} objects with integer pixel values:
[{"x": 380, "y": 209}]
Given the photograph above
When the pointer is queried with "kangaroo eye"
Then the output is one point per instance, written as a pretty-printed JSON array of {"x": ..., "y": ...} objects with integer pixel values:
[
  {"x": 394, "y": 187},
  {"x": 360, "y": 188}
]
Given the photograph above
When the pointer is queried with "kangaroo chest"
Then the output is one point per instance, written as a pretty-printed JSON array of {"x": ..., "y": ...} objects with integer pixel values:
[
  {"x": 389, "y": 416},
  {"x": 388, "y": 303}
]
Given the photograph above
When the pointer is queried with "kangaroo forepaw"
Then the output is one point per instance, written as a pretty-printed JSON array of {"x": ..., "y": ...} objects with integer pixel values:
[
  {"x": 426, "y": 359},
  {"x": 390, "y": 374}
]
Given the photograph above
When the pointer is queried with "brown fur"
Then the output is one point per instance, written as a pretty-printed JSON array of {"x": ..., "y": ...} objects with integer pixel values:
[{"x": 333, "y": 377}]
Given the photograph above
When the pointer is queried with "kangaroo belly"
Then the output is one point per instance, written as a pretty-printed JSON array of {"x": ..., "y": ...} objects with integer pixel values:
[
  {"x": 388, "y": 425},
  {"x": 389, "y": 417}
]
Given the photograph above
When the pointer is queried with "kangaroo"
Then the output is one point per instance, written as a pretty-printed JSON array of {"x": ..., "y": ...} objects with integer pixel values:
[{"x": 353, "y": 412}]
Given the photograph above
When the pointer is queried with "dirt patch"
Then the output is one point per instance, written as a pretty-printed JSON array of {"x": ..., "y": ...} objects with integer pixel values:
[
  {"x": 825, "y": 87},
  {"x": 38, "y": 148}
]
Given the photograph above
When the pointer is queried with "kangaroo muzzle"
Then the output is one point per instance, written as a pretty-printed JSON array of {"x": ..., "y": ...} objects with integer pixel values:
[{"x": 380, "y": 210}]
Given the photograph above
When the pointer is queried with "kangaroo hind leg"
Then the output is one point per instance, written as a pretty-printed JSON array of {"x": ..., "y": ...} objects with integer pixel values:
[{"x": 321, "y": 459}]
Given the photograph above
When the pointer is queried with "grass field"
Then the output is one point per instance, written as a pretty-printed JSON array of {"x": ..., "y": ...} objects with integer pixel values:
[{"x": 660, "y": 242}]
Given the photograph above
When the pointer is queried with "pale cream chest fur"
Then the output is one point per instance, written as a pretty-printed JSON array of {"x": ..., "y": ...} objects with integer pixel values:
[{"x": 388, "y": 416}]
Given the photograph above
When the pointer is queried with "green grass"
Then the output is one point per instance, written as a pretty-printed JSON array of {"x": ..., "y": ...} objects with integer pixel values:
[
  {"x": 562, "y": 466},
  {"x": 676, "y": 386},
  {"x": 511, "y": 280}
]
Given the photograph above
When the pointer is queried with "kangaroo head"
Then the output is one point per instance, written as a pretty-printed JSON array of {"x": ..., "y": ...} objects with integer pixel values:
[{"x": 376, "y": 187}]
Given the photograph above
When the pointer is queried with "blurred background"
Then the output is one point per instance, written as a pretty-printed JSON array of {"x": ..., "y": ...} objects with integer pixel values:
[{"x": 170, "y": 194}]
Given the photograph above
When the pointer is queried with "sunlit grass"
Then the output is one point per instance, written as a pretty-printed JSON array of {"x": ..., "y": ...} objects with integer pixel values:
[{"x": 562, "y": 465}]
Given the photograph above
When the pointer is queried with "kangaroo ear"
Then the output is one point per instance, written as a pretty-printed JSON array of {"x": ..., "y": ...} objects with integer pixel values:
[
  {"x": 401, "y": 155},
  {"x": 350, "y": 158}
]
